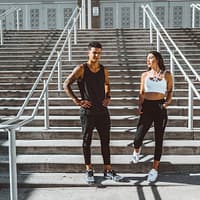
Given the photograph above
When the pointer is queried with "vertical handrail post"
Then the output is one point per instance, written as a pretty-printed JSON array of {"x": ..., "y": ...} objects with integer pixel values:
[
  {"x": 144, "y": 18},
  {"x": 158, "y": 41},
  {"x": 1, "y": 32},
  {"x": 46, "y": 106},
  {"x": 69, "y": 47},
  {"x": 59, "y": 71},
  {"x": 172, "y": 66},
  {"x": 18, "y": 19},
  {"x": 193, "y": 16},
  {"x": 151, "y": 33},
  {"x": 89, "y": 15},
  {"x": 80, "y": 19},
  {"x": 26, "y": 18},
  {"x": 12, "y": 164},
  {"x": 190, "y": 107},
  {"x": 75, "y": 32},
  {"x": 83, "y": 14}
]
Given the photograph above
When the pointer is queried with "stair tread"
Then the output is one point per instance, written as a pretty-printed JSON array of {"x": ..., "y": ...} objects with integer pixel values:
[
  {"x": 96, "y": 143},
  {"x": 97, "y": 159},
  {"x": 74, "y": 179},
  {"x": 62, "y": 107},
  {"x": 116, "y": 129},
  {"x": 68, "y": 98},
  {"x": 122, "y": 117}
]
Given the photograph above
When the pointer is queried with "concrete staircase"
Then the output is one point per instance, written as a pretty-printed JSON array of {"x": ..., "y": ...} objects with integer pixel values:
[{"x": 58, "y": 149}]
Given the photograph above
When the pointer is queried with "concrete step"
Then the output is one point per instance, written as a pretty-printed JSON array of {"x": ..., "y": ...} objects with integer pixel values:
[
  {"x": 117, "y": 147},
  {"x": 115, "y": 73},
  {"x": 122, "y": 120},
  {"x": 121, "y": 163},
  {"x": 115, "y": 101},
  {"x": 64, "y": 110},
  {"x": 115, "y": 76},
  {"x": 114, "y": 85},
  {"x": 114, "y": 70},
  {"x": 125, "y": 133},
  {"x": 22, "y": 57},
  {"x": 17, "y": 77},
  {"x": 70, "y": 181},
  {"x": 55, "y": 93}
]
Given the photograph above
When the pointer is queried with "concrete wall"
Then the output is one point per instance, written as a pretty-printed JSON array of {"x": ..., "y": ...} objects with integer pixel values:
[{"x": 49, "y": 14}]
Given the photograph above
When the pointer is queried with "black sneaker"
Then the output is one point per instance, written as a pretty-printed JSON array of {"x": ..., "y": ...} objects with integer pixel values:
[
  {"x": 112, "y": 175},
  {"x": 90, "y": 176}
]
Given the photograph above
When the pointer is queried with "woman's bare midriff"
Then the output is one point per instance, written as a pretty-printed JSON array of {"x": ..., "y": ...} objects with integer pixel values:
[{"x": 153, "y": 96}]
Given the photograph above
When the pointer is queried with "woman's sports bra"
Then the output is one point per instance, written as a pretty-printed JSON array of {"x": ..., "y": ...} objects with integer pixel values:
[{"x": 155, "y": 84}]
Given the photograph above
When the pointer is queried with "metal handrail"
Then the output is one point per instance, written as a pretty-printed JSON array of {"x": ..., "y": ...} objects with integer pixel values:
[
  {"x": 4, "y": 15},
  {"x": 11, "y": 125},
  {"x": 173, "y": 43},
  {"x": 11, "y": 122},
  {"x": 194, "y": 7},
  {"x": 191, "y": 86},
  {"x": 9, "y": 11}
]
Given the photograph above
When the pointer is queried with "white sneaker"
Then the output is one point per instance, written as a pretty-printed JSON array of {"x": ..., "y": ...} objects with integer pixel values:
[
  {"x": 135, "y": 157},
  {"x": 152, "y": 176},
  {"x": 90, "y": 176}
]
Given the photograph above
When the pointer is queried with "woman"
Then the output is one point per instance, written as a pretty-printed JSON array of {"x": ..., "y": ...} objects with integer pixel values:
[{"x": 155, "y": 96}]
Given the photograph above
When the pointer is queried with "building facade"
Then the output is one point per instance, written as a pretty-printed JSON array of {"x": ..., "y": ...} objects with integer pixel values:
[
  {"x": 38, "y": 14},
  {"x": 49, "y": 14}
]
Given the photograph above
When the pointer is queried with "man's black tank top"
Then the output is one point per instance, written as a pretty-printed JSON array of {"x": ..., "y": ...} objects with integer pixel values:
[{"x": 92, "y": 86}]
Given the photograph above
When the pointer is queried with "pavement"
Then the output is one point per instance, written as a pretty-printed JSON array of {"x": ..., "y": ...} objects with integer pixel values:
[{"x": 72, "y": 186}]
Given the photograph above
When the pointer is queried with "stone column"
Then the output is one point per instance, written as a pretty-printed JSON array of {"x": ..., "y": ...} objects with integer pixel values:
[
  {"x": 96, "y": 7},
  {"x": 96, "y": 19}
]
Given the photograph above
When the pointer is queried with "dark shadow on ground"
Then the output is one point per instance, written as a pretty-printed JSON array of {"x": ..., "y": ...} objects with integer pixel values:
[{"x": 163, "y": 180}]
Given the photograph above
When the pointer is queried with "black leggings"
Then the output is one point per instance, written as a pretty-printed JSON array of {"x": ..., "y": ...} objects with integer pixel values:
[
  {"x": 153, "y": 112},
  {"x": 100, "y": 121}
]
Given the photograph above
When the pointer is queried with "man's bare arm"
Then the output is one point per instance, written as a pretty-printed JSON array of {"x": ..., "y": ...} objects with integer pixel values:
[
  {"x": 107, "y": 83},
  {"x": 75, "y": 75}
]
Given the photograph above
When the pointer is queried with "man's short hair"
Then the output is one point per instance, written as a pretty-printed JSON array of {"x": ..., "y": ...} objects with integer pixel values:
[{"x": 94, "y": 44}]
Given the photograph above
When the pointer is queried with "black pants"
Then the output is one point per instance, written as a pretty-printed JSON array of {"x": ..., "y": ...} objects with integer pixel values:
[
  {"x": 99, "y": 119},
  {"x": 153, "y": 112}
]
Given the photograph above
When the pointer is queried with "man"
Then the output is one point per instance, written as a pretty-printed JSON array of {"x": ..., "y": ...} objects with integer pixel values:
[{"x": 94, "y": 86}]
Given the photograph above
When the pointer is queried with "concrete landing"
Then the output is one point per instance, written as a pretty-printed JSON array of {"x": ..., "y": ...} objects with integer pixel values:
[{"x": 71, "y": 186}]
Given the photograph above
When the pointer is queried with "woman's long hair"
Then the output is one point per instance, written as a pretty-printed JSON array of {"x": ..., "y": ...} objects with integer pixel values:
[{"x": 159, "y": 58}]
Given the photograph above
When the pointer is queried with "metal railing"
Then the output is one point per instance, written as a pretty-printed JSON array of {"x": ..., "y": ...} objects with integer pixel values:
[
  {"x": 13, "y": 124},
  {"x": 4, "y": 15},
  {"x": 147, "y": 11},
  {"x": 194, "y": 8}
]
